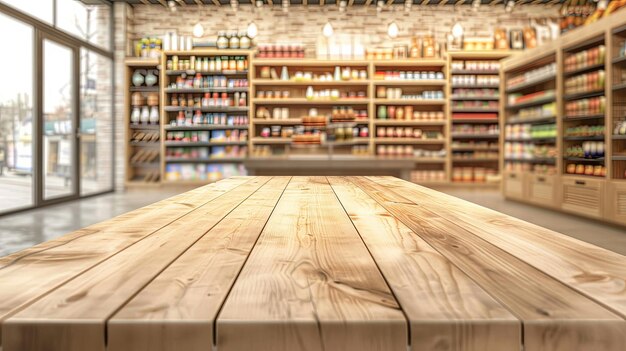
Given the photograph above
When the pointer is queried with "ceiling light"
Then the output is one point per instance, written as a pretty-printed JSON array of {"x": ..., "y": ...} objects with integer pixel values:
[
  {"x": 342, "y": 5},
  {"x": 328, "y": 30},
  {"x": 172, "y": 6},
  {"x": 252, "y": 30},
  {"x": 602, "y": 4},
  {"x": 509, "y": 6},
  {"x": 198, "y": 30},
  {"x": 457, "y": 30},
  {"x": 259, "y": 3},
  {"x": 393, "y": 30},
  {"x": 475, "y": 5}
]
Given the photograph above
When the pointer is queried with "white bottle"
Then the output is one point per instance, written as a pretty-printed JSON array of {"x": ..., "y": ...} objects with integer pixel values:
[
  {"x": 145, "y": 114},
  {"x": 135, "y": 117},
  {"x": 154, "y": 115},
  {"x": 309, "y": 93}
]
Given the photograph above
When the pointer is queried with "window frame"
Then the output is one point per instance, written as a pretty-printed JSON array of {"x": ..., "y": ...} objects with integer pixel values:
[{"x": 39, "y": 28}]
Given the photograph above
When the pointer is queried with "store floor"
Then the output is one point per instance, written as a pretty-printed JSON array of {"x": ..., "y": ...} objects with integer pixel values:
[{"x": 26, "y": 229}]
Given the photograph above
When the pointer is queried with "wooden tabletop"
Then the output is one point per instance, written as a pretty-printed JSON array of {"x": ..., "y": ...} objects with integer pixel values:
[{"x": 312, "y": 264}]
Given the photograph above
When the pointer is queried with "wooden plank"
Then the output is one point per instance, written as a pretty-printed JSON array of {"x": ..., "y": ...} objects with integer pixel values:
[
  {"x": 310, "y": 284},
  {"x": 72, "y": 317},
  {"x": 591, "y": 270},
  {"x": 189, "y": 200},
  {"x": 176, "y": 311},
  {"x": 555, "y": 317},
  {"x": 30, "y": 274},
  {"x": 442, "y": 304}
]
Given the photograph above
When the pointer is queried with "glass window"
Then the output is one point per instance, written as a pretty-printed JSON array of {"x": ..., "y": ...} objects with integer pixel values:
[
  {"x": 88, "y": 22},
  {"x": 58, "y": 118},
  {"x": 16, "y": 116},
  {"x": 41, "y": 9},
  {"x": 96, "y": 123}
]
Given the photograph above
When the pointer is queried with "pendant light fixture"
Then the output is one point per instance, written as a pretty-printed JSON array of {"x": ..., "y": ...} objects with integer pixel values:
[
  {"x": 252, "y": 30},
  {"x": 328, "y": 30},
  {"x": 509, "y": 6},
  {"x": 393, "y": 30},
  {"x": 476, "y": 5},
  {"x": 172, "y": 6},
  {"x": 198, "y": 30},
  {"x": 457, "y": 30}
]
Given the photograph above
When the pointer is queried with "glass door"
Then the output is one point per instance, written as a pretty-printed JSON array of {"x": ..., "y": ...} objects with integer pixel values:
[
  {"x": 59, "y": 111},
  {"x": 16, "y": 117}
]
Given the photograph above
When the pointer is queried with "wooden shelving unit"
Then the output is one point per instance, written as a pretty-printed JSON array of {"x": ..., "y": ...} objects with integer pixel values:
[
  {"x": 584, "y": 181},
  {"x": 280, "y": 106},
  {"x": 415, "y": 78},
  {"x": 205, "y": 138},
  {"x": 525, "y": 156},
  {"x": 474, "y": 104},
  {"x": 143, "y": 137}
]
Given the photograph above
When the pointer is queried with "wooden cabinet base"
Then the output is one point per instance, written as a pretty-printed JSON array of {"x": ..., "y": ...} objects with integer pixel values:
[
  {"x": 513, "y": 185},
  {"x": 582, "y": 196},
  {"x": 591, "y": 198},
  {"x": 616, "y": 202},
  {"x": 542, "y": 189}
]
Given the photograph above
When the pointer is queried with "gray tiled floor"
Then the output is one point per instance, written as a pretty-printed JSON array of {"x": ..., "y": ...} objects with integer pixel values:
[{"x": 29, "y": 228}]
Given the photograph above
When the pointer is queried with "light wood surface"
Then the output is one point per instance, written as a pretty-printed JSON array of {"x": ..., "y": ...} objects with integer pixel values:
[
  {"x": 30, "y": 274},
  {"x": 415, "y": 271},
  {"x": 82, "y": 306},
  {"x": 310, "y": 284},
  {"x": 313, "y": 263},
  {"x": 193, "y": 288}
]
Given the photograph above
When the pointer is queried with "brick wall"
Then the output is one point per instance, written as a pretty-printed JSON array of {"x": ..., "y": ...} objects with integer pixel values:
[{"x": 303, "y": 25}]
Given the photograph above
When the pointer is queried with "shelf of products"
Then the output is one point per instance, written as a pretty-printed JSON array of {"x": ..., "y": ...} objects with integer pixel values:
[
  {"x": 578, "y": 180},
  {"x": 532, "y": 78},
  {"x": 618, "y": 108},
  {"x": 519, "y": 101},
  {"x": 205, "y": 116},
  {"x": 143, "y": 126},
  {"x": 584, "y": 60},
  {"x": 310, "y": 107},
  {"x": 474, "y": 115},
  {"x": 473, "y": 174},
  {"x": 594, "y": 107},
  {"x": 530, "y": 132},
  {"x": 412, "y": 77},
  {"x": 409, "y": 114}
]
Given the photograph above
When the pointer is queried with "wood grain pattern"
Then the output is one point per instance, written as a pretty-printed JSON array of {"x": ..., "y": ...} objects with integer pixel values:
[
  {"x": 555, "y": 317},
  {"x": 310, "y": 284},
  {"x": 312, "y": 264},
  {"x": 593, "y": 271},
  {"x": 29, "y": 274},
  {"x": 176, "y": 310},
  {"x": 188, "y": 200},
  {"x": 72, "y": 318},
  {"x": 417, "y": 272}
]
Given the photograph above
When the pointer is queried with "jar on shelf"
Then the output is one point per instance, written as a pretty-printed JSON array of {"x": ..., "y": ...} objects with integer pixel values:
[
  {"x": 234, "y": 41},
  {"x": 244, "y": 41},
  {"x": 222, "y": 40},
  {"x": 137, "y": 99}
]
